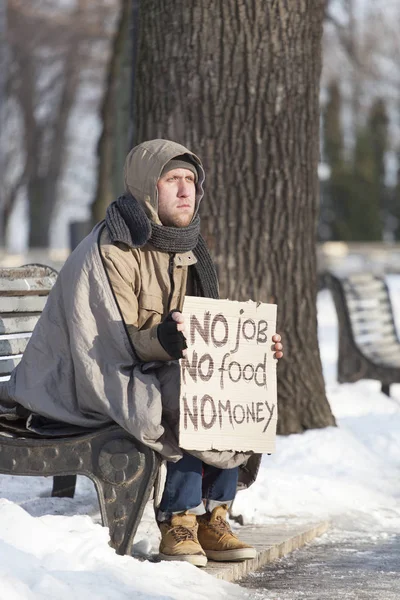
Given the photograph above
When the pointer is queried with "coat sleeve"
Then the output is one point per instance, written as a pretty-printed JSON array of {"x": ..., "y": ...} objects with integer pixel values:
[{"x": 125, "y": 284}]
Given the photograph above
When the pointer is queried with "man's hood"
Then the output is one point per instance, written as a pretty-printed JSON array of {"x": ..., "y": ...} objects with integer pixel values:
[{"x": 143, "y": 167}]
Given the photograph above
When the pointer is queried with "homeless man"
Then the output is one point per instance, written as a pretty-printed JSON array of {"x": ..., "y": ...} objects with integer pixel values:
[{"x": 87, "y": 366}]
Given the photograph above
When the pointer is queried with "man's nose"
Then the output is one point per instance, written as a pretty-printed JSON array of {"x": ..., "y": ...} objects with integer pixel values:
[{"x": 184, "y": 189}]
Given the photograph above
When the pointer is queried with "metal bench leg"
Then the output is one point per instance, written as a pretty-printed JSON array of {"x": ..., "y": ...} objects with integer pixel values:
[
  {"x": 385, "y": 389},
  {"x": 121, "y": 509},
  {"x": 123, "y": 484},
  {"x": 63, "y": 486}
]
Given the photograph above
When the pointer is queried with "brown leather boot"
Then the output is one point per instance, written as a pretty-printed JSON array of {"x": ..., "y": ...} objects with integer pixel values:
[
  {"x": 217, "y": 539},
  {"x": 179, "y": 540}
]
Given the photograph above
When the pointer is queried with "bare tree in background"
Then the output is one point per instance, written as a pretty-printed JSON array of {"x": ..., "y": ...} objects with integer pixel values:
[
  {"x": 361, "y": 51},
  {"x": 361, "y": 48},
  {"x": 237, "y": 81},
  {"x": 115, "y": 114},
  {"x": 50, "y": 52},
  {"x": 346, "y": 29}
]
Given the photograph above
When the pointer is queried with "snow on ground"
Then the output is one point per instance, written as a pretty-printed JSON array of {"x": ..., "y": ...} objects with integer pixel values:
[
  {"x": 350, "y": 472},
  {"x": 56, "y": 548}
]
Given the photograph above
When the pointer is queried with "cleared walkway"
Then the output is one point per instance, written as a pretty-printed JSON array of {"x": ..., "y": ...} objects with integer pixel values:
[{"x": 343, "y": 565}]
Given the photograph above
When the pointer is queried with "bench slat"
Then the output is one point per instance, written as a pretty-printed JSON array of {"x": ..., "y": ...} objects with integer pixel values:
[
  {"x": 369, "y": 340},
  {"x": 359, "y": 278},
  {"x": 21, "y": 323},
  {"x": 368, "y": 287},
  {"x": 6, "y": 366},
  {"x": 363, "y": 283},
  {"x": 26, "y": 286},
  {"x": 383, "y": 328},
  {"x": 361, "y": 296},
  {"x": 27, "y": 271},
  {"x": 366, "y": 293},
  {"x": 367, "y": 299},
  {"x": 389, "y": 350},
  {"x": 378, "y": 315},
  {"x": 15, "y": 304},
  {"x": 367, "y": 302},
  {"x": 377, "y": 350},
  {"x": 9, "y": 347}
]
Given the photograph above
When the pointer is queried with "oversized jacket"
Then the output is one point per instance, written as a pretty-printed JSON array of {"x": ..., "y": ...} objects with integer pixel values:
[{"x": 81, "y": 366}]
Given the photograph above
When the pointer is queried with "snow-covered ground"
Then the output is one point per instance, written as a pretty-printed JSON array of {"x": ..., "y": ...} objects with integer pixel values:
[
  {"x": 55, "y": 548},
  {"x": 351, "y": 471}
]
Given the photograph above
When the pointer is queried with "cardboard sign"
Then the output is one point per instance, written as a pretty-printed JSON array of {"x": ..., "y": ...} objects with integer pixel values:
[{"x": 228, "y": 395}]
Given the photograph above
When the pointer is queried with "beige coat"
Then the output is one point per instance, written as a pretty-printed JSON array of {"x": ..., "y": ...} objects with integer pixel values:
[{"x": 141, "y": 281}]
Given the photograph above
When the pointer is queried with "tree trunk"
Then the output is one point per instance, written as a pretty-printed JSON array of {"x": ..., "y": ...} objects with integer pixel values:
[
  {"x": 42, "y": 192},
  {"x": 237, "y": 81},
  {"x": 40, "y": 212},
  {"x": 113, "y": 143}
]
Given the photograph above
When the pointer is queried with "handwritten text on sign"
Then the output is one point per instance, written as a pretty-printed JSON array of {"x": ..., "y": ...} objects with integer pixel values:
[{"x": 228, "y": 379}]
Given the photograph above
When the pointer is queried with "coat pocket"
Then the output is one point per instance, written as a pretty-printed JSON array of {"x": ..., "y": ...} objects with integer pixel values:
[{"x": 151, "y": 310}]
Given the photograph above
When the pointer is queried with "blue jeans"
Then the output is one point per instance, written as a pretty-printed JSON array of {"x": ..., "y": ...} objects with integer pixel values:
[{"x": 189, "y": 481}]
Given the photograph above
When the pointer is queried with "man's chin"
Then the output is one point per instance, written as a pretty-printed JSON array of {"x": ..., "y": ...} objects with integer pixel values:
[{"x": 180, "y": 222}]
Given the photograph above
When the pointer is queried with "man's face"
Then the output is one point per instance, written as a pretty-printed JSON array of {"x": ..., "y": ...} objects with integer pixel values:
[{"x": 176, "y": 197}]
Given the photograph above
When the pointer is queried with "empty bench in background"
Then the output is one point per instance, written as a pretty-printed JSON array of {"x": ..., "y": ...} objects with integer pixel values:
[
  {"x": 369, "y": 346},
  {"x": 122, "y": 469}
]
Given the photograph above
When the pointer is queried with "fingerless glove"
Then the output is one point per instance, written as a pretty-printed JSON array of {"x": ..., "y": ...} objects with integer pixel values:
[{"x": 172, "y": 340}]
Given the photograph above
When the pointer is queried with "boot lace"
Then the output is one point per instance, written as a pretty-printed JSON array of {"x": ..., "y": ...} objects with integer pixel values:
[
  {"x": 222, "y": 526},
  {"x": 181, "y": 533}
]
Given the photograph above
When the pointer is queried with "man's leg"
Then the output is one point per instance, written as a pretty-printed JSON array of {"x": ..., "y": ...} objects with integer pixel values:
[
  {"x": 182, "y": 491},
  {"x": 215, "y": 535},
  {"x": 218, "y": 486},
  {"x": 178, "y": 510}
]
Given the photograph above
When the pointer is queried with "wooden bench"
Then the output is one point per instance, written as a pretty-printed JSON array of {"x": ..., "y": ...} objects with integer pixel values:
[
  {"x": 122, "y": 469},
  {"x": 369, "y": 347}
]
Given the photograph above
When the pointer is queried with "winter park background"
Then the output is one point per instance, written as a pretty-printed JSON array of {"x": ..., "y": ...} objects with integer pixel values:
[{"x": 56, "y": 548}]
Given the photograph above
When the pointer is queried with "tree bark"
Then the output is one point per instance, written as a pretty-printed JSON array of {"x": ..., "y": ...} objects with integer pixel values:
[{"x": 237, "y": 81}]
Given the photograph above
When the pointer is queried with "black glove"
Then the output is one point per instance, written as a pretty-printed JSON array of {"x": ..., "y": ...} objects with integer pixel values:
[{"x": 172, "y": 340}]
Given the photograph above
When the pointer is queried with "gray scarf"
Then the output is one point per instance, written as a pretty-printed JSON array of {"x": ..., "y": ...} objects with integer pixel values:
[{"x": 127, "y": 222}]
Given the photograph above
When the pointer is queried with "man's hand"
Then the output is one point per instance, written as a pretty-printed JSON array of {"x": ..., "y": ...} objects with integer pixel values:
[
  {"x": 171, "y": 335},
  {"x": 180, "y": 320},
  {"x": 278, "y": 347}
]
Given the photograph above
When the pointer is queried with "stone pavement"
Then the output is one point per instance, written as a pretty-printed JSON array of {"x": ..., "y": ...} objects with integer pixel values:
[
  {"x": 344, "y": 565},
  {"x": 271, "y": 542}
]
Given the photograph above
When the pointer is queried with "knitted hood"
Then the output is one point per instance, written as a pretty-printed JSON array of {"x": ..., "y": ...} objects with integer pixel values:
[{"x": 143, "y": 167}]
